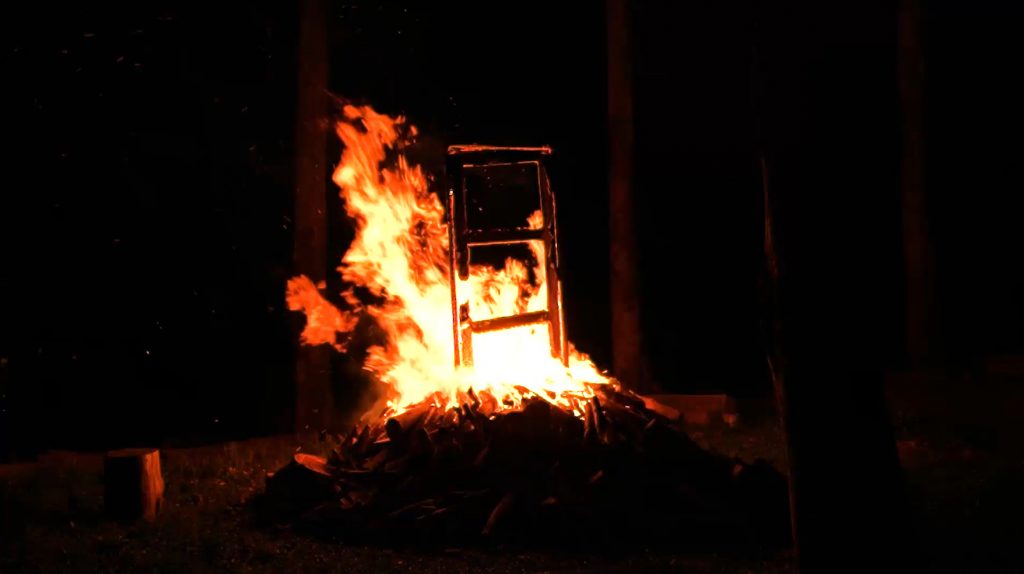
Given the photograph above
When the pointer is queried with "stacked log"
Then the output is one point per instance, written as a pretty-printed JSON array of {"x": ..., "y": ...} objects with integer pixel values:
[{"x": 622, "y": 472}]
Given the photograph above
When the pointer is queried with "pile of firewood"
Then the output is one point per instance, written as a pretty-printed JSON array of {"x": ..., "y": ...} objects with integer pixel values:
[{"x": 622, "y": 473}]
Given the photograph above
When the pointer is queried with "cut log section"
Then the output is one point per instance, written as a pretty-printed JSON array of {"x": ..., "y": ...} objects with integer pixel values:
[{"x": 133, "y": 484}]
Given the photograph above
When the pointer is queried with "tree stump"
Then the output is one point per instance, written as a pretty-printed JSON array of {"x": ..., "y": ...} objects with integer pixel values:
[{"x": 133, "y": 485}]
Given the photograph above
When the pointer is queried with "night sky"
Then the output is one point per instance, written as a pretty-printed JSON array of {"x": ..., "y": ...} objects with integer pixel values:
[
  {"x": 151, "y": 238},
  {"x": 147, "y": 229},
  {"x": 151, "y": 232}
]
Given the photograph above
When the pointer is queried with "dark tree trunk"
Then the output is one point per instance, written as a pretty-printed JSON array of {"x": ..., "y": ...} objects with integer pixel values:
[
  {"x": 772, "y": 327},
  {"x": 627, "y": 358},
  {"x": 916, "y": 248},
  {"x": 846, "y": 483},
  {"x": 313, "y": 401},
  {"x": 831, "y": 139}
]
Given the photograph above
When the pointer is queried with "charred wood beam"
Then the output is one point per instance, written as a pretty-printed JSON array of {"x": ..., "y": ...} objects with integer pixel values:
[
  {"x": 500, "y": 323},
  {"x": 502, "y": 237}
]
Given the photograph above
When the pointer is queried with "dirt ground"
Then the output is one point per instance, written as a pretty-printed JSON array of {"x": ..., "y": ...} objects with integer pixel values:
[{"x": 961, "y": 452}]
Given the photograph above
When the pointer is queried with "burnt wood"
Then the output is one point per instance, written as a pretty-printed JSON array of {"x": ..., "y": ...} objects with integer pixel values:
[{"x": 537, "y": 475}]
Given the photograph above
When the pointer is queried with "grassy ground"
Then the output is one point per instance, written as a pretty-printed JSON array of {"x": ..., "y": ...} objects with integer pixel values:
[
  {"x": 52, "y": 522},
  {"x": 959, "y": 443},
  {"x": 962, "y": 448}
]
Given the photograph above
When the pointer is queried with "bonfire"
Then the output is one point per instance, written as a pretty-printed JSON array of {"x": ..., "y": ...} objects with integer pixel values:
[{"x": 521, "y": 442}]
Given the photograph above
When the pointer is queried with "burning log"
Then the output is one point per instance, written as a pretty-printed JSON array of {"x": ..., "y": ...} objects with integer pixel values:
[
  {"x": 395, "y": 433},
  {"x": 538, "y": 411},
  {"x": 598, "y": 421},
  {"x": 488, "y": 403},
  {"x": 476, "y": 400},
  {"x": 500, "y": 511},
  {"x": 415, "y": 415},
  {"x": 362, "y": 440},
  {"x": 420, "y": 443},
  {"x": 133, "y": 484},
  {"x": 589, "y": 431}
]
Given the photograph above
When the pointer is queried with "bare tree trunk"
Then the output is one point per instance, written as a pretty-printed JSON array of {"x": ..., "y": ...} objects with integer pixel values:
[
  {"x": 772, "y": 329},
  {"x": 846, "y": 488},
  {"x": 915, "y": 229},
  {"x": 313, "y": 401},
  {"x": 627, "y": 355},
  {"x": 830, "y": 186}
]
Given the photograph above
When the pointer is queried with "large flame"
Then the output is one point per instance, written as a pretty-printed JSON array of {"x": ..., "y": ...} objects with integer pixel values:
[{"x": 400, "y": 255}]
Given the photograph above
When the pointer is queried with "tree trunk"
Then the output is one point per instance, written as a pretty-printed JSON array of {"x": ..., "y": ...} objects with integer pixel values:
[
  {"x": 133, "y": 484},
  {"x": 917, "y": 255},
  {"x": 772, "y": 329},
  {"x": 627, "y": 358},
  {"x": 831, "y": 145},
  {"x": 313, "y": 400},
  {"x": 846, "y": 483}
]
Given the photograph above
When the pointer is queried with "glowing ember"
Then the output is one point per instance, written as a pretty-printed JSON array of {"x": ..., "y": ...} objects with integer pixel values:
[{"x": 399, "y": 255}]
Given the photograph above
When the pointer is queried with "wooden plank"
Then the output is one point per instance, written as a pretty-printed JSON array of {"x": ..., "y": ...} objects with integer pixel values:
[
  {"x": 509, "y": 322},
  {"x": 504, "y": 236}
]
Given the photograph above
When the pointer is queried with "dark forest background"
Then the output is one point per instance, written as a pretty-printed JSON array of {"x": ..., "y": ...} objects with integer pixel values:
[{"x": 147, "y": 208}]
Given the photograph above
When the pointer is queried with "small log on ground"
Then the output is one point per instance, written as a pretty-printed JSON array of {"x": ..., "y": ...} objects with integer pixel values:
[
  {"x": 695, "y": 409},
  {"x": 133, "y": 485},
  {"x": 305, "y": 481},
  {"x": 500, "y": 511}
]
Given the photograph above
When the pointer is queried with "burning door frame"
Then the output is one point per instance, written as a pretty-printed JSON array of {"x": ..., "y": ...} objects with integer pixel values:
[{"x": 462, "y": 237}]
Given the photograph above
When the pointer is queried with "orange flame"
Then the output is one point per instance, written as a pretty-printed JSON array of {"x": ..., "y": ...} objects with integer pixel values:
[{"x": 400, "y": 255}]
